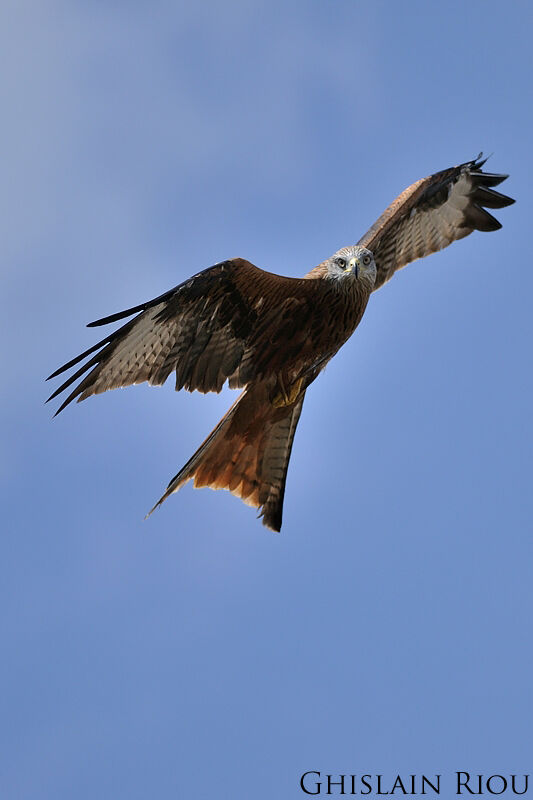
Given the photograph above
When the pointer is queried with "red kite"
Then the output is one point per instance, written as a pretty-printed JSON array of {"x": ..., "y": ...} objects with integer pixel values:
[{"x": 272, "y": 335}]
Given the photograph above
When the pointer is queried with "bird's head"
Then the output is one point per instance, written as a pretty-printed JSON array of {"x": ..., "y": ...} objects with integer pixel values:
[{"x": 352, "y": 263}]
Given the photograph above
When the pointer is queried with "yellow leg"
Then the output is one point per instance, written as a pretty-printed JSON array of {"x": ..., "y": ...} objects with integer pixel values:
[{"x": 284, "y": 398}]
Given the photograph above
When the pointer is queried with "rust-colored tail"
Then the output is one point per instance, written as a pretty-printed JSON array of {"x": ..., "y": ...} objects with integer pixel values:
[{"x": 247, "y": 453}]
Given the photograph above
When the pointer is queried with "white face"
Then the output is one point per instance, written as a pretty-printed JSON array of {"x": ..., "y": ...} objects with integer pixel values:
[{"x": 353, "y": 262}]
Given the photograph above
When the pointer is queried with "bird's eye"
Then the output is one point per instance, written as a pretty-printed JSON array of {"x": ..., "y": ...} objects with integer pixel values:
[
  {"x": 366, "y": 260},
  {"x": 341, "y": 262}
]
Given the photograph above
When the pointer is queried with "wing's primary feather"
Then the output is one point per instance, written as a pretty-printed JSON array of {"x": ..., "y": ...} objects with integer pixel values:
[{"x": 431, "y": 214}]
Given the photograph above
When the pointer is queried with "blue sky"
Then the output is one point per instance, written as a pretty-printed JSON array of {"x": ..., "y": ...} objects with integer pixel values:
[{"x": 387, "y": 629}]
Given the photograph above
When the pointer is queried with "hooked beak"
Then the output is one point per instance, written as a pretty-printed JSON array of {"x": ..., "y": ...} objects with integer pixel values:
[{"x": 353, "y": 266}]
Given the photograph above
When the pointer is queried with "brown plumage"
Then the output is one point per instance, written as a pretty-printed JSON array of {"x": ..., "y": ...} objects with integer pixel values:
[
  {"x": 432, "y": 213},
  {"x": 247, "y": 453},
  {"x": 272, "y": 335}
]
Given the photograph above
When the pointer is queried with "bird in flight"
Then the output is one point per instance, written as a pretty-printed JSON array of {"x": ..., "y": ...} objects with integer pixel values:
[{"x": 272, "y": 335}]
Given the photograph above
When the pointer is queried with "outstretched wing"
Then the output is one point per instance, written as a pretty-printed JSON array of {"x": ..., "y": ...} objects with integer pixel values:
[
  {"x": 222, "y": 324},
  {"x": 433, "y": 213}
]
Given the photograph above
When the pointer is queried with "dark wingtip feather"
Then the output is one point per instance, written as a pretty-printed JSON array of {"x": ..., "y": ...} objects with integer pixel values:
[
  {"x": 478, "y": 162},
  {"x": 483, "y": 196},
  {"x": 63, "y": 405},
  {"x": 54, "y": 394},
  {"x": 79, "y": 358},
  {"x": 491, "y": 199},
  {"x": 59, "y": 410},
  {"x": 69, "y": 398},
  {"x": 488, "y": 178},
  {"x": 116, "y": 317},
  {"x": 136, "y": 309},
  {"x": 102, "y": 348},
  {"x": 476, "y": 217}
]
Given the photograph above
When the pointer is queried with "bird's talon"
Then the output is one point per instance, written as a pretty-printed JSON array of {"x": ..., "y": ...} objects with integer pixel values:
[{"x": 283, "y": 399}]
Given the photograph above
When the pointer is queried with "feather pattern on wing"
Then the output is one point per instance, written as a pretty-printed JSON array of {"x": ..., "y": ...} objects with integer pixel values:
[
  {"x": 431, "y": 214},
  {"x": 232, "y": 322}
]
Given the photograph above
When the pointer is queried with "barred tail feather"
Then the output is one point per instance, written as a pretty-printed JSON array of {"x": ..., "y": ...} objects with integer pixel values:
[{"x": 247, "y": 453}]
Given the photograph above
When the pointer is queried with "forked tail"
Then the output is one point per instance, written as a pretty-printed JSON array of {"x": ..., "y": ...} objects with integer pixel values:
[{"x": 247, "y": 453}]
